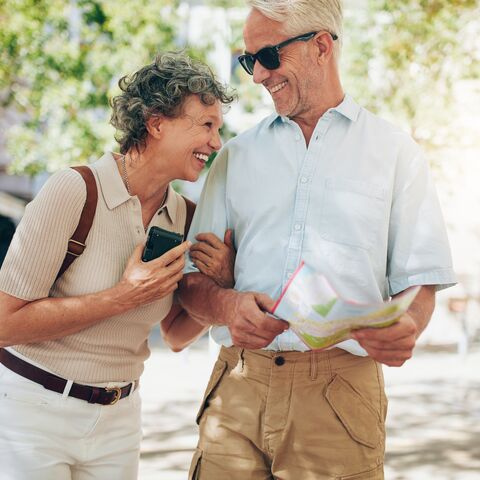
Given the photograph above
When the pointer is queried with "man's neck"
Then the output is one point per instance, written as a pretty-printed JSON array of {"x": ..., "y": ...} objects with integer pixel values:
[
  {"x": 307, "y": 123},
  {"x": 330, "y": 97}
]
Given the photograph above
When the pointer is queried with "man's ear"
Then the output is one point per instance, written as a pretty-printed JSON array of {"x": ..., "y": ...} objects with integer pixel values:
[
  {"x": 324, "y": 44},
  {"x": 155, "y": 126}
]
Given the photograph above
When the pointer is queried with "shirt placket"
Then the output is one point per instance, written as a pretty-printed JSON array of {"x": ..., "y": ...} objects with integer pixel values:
[
  {"x": 137, "y": 222},
  {"x": 311, "y": 155}
]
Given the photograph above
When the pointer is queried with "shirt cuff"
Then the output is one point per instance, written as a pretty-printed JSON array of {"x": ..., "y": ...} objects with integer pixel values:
[{"x": 443, "y": 278}]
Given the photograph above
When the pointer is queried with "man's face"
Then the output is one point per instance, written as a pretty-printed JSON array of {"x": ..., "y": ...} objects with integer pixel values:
[{"x": 291, "y": 85}]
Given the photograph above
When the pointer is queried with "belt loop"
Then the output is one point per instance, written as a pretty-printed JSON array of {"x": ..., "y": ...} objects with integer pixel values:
[
  {"x": 329, "y": 363},
  {"x": 313, "y": 365},
  {"x": 67, "y": 388},
  {"x": 133, "y": 387}
]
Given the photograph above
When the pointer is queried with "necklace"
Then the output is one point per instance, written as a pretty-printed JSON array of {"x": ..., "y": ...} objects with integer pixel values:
[
  {"x": 164, "y": 197},
  {"x": 127, "y": 183},
  {"x": 124, "y": 174}
]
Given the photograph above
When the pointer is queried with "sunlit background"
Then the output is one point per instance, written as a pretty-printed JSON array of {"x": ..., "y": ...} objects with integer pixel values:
[{"x": 414, "y": 62}]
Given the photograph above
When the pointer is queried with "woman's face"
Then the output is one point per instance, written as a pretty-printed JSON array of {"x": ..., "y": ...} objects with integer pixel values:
[{"x": 191, "y": 138}]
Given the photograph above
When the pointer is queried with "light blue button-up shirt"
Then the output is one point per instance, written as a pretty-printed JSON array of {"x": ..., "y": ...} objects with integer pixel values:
[{"x": 358, "y": 205}]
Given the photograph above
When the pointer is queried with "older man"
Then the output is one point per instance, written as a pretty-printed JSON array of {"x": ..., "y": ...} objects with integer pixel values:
[{"x": 326, "y": 181}]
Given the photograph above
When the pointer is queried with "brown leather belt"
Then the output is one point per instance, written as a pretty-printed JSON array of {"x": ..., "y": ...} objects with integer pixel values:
[{"x": 103, "y": 396}]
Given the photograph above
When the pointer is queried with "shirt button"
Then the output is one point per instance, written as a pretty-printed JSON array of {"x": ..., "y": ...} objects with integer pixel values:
[
  {"x": 304, "y": 179},
  {"x": 298, "y": 226},
  {"x": 279, "y": 361}
]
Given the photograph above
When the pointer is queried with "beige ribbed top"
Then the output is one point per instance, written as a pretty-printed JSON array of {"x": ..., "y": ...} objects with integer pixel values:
[{"x": 116, "y": 348}]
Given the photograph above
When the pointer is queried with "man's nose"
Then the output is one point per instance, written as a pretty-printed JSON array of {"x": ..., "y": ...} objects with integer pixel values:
[{"x": 260, "y": 73}]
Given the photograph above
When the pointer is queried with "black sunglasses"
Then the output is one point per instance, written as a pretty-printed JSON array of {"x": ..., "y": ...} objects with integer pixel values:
[{"x": 269, "y": 56}]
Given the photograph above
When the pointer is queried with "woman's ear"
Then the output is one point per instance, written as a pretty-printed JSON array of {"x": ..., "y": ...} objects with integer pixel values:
[{"x": 154, "y": 126}]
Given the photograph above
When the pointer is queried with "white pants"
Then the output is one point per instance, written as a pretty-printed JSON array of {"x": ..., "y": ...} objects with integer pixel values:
[{"x": 48, "y": 436}]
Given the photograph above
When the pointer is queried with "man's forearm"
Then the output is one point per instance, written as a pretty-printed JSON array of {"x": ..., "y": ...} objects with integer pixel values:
[
  {"x": 422, "y": 307},
  {"x": 204, "y": 300}
]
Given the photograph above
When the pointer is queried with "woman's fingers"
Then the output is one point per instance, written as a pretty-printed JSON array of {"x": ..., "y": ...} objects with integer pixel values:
[
  {"x": 198, "y": 255},
  {"x": 205, "y": 248},
  {"x": 211, "y": 239},
  {"x": 228, "y": 238},
  {"x": 203, "y": 267},
  {"x": 173, "y": 254}
]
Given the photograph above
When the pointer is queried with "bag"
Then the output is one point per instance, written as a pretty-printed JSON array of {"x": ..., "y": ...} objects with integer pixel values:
[{"x": 76, "y": 244}]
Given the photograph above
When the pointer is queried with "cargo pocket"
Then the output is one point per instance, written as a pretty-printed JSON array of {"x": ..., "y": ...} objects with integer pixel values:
[
  {"x": 373, "y": 474},
  {"x": 217, "y": 373},
  {"x": 194, "y": 473},
  {"x": 359, "y": 418}
]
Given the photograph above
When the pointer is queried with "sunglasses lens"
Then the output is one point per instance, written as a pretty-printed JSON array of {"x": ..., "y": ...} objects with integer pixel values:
[
  {"x": 247, "y": 62},
  {"x": 269, "y": 58}
]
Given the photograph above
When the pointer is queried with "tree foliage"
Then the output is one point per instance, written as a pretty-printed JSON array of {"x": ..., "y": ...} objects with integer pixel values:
[
  {"x": 405, "y": 59},
  {"x": 61, "y": 60}
]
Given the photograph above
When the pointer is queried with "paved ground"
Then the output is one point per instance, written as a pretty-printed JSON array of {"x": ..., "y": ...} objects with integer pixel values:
[{"x": 433, "y": 421}]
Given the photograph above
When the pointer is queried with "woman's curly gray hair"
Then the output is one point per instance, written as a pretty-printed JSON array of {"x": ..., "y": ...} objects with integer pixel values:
[{"x": 161, "y": 88}]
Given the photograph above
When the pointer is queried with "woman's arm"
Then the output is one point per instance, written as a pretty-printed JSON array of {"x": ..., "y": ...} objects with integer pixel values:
[
  {"x": 51, "y": 318},
  {"x": 214, "y": 259},
  {"x": 179, "y": 330}
]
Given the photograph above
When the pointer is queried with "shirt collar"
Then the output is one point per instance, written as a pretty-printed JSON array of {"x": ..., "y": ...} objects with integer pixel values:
[
  {"x": 347, "y": 107},
  {"x": 171, "y": 204},
  {"x": 111, "y": 183},
  {"x": 115, "y": 193}
]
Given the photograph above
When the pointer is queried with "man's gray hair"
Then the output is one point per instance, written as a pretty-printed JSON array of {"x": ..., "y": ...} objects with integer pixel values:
[
  {"x": 303, "y": 16},
  {"x": 161, "y": 88}
]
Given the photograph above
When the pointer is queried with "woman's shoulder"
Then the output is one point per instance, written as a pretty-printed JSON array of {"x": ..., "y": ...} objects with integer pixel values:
[{"x": 64, "y": 186}]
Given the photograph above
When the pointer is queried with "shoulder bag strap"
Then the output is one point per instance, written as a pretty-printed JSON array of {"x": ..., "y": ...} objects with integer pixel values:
[
  {"x": 76, "y": 244},
  {"x": 190, "y": 211}
]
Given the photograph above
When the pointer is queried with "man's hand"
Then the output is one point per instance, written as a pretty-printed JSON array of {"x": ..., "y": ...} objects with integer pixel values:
[
  {"x": 392, "y": 345},
  {"x": 248, "y": 321}
]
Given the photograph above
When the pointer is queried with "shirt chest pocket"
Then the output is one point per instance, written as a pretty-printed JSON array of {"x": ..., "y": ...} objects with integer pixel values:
[{"x": 352, "y": 212}]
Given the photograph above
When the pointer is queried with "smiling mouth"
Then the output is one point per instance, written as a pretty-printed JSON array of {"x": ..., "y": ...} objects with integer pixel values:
[
  {"x": 277, "y": 88},
  {"x": 201, "y": 156}
]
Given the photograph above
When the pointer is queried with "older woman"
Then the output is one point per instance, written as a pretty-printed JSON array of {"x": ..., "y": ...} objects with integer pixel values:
[{"x": 73, "y": 347}]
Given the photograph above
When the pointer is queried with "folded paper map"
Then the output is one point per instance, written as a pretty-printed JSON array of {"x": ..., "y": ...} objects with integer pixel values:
[{"x": 321, "y": 318}]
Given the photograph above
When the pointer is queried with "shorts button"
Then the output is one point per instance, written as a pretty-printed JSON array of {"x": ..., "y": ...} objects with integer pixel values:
[{"x": 279, "y": 361}]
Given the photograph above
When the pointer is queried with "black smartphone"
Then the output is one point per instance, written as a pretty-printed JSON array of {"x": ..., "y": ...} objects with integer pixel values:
[{"x": 160, "y": 241}]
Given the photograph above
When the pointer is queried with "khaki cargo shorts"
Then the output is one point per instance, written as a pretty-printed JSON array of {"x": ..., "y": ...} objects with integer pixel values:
[{"x": 291, "y": 416}]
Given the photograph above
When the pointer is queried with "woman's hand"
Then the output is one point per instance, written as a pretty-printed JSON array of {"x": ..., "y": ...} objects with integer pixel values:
[
  {"x": 215, "y": 258},
  {"x": 146, "y": 282}
]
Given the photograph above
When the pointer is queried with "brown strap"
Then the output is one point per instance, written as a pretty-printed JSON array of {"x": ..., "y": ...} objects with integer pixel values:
[
  {"x": 103, "y": 396},
  {"x": 76, "y": 244},
  {"x": 190, "y": 211}
]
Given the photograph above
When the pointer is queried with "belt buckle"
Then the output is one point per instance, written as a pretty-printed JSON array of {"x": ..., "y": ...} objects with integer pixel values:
[{"x": 118, "y": 394}]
